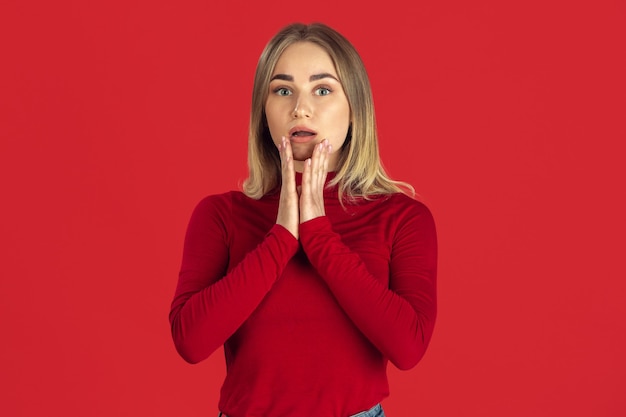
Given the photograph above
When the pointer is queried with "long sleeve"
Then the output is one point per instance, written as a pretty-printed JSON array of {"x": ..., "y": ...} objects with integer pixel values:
[
  {"x": 212, "y": 300},
  {"x": 398, "y": 318}
]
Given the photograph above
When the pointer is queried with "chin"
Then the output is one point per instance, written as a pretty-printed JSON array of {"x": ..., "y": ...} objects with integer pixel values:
[
  {"x": 301, "y": 155},
  {"x": 300, "y": 159}
]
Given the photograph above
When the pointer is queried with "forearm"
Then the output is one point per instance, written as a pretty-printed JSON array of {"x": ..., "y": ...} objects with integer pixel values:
[
  {"x": 398, "y": 322},
  {"x": 210, "y": 304}
]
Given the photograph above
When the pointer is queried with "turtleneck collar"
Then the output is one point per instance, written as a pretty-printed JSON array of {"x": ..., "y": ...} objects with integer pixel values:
[
  {"x": 329, "y": 177},
  {"x": 328, "y": 191}
]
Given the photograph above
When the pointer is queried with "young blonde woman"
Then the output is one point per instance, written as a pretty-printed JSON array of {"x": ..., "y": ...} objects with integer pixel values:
[{"x": 323, "y": 269}]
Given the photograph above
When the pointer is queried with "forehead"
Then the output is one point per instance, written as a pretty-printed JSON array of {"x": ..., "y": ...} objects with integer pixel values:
[{"x": 304, "y": 58}]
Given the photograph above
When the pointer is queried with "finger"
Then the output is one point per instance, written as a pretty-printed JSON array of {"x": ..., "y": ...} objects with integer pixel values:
[
  {"x": 329, "y": 149},
  {"x": 282, "y": 149},
  {"x": 312, "y": 168},
  {"x": 288, "y": 170},
  {"x": 287, "y": 146},
  {"x": 280, "y": 146},
  {"x": 318, "y": 159},
  {"x": 306, "y": 175},
  {"x": 322, "y": 164},
  {"x": 288, "y": 213}
]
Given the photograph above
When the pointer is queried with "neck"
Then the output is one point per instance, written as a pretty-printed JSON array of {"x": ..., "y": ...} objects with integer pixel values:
[{"x": 299, "y": 165}]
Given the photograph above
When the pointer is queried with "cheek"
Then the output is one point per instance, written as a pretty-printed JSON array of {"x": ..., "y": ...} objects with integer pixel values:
[
  {"x": 341, "y": 109},
  {"x": 342, "y": 124},
  {"x": 341, "y": 116},
  {"x": 273, "y": 125}
]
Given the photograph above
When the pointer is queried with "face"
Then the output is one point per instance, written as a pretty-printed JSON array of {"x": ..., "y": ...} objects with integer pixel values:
[{"x": 306, "y": 102}]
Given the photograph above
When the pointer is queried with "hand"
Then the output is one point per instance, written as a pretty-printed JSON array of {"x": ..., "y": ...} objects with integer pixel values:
[
  {"x": 288, "y": 204},
  {"x": 313, "y": 182}
]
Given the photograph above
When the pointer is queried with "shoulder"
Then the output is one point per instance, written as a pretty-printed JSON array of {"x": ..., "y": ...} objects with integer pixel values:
[
  {"x": 411, "y": 215},
  {"x": 217, "y": 206},
  {"x": 415, "y": 224},
  {"x": 225, "y": 203},
  {"x": 215, "y": 201},
  {"x": 408, "y": 205}
]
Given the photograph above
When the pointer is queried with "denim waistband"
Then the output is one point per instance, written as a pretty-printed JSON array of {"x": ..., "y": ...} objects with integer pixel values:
[{"x": 376, "y": 411}]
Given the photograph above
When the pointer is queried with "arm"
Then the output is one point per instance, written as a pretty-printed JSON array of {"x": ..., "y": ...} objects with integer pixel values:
[
  {"x": 210, "y": 304},
  {"x": 398, "y": 319}
]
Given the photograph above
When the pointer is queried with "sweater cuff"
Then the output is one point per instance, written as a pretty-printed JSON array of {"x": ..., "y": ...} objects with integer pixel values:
[
  {"x": 317, "y": 226},
  {"x": 285, "y": 237}
]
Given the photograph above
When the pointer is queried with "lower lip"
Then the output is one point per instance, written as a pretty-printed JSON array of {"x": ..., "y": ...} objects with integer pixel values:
[{"x": 302, "y": 139}]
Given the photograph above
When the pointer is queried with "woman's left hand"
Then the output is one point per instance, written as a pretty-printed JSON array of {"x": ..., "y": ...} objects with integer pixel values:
[{"x": 313, "y": 182}]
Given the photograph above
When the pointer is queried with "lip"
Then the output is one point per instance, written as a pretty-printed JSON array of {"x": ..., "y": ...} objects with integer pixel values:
[{"x": 301, "y": 139}]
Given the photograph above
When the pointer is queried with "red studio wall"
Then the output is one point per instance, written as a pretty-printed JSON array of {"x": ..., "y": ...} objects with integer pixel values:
[{"x": 116, "y": 118}]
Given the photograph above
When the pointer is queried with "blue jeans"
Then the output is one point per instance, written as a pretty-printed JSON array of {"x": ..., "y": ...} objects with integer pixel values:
[{"x": 376, "y": 411}]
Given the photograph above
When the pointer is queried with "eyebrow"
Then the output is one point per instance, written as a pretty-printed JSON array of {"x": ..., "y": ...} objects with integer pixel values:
[{"x": 313, "y": 77}]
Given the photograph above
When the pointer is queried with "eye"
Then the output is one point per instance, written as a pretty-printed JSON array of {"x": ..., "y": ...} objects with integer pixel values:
[
  {"x": 282, "y": 91},
  {"x": 323, "y": 91}
]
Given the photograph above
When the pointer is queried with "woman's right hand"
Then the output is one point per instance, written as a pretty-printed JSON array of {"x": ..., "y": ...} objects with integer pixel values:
[{"x": 288, "y": 207}]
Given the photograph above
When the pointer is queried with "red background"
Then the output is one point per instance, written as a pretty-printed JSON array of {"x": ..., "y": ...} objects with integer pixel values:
[{"x": 117, "y": 117}]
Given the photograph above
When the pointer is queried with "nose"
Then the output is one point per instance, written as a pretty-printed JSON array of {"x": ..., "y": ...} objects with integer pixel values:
[{"x": 302, "y": 108}]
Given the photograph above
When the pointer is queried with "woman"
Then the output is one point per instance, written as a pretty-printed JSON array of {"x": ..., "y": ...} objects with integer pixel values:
[{"x": 323, "y": 268}]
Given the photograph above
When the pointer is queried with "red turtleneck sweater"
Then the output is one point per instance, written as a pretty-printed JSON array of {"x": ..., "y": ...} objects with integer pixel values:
[{"x": 308, "y": 326}]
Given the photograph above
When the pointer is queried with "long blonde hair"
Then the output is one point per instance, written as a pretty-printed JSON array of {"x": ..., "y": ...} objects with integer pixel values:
[{"x": 360, "y": 171}]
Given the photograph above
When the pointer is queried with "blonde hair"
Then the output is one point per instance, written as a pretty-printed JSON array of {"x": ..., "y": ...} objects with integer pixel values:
[{"x": 360, "y": 171}]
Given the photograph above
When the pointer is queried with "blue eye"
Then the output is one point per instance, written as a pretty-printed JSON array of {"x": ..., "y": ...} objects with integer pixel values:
[
  {"x": 322, "y": 91},
  {"x": 282, "y": 91}
]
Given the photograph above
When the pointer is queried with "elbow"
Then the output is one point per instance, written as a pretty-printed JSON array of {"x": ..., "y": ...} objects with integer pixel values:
[
  {"x": 414, "y": 349},
  {"x": 187, "y": 349},
  {"x": 409, "y": 359},
  {"x": 187, "y": 346},
  {"x": 188, "y": 355}
]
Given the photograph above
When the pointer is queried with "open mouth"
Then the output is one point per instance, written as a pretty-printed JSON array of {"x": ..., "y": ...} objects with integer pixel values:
[{"x": 301, "y": 134}]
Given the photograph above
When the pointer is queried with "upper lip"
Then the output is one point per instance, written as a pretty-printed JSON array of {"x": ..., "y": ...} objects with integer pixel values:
[{"x": 296, "y": 129}]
